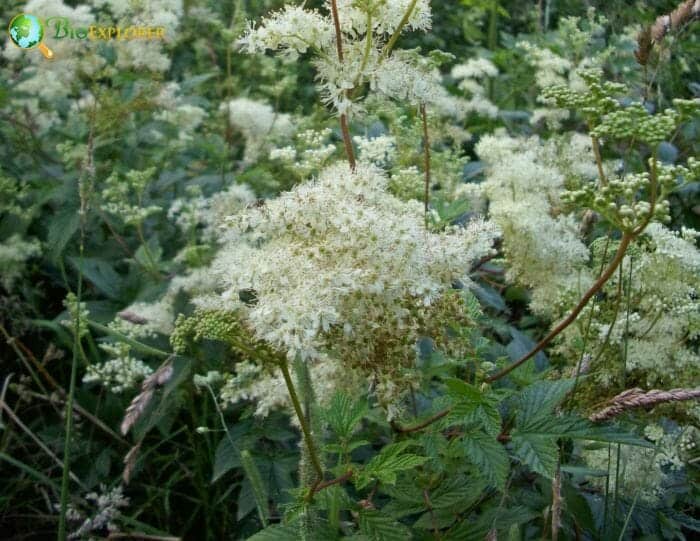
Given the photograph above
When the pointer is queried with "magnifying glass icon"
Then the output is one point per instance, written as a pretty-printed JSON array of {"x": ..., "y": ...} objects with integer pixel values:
[{"x": 27, "y": 32}]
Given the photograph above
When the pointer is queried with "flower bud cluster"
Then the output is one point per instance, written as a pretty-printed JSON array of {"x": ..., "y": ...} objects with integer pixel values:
[
  {"x": 203, "y": 324},
  {"x": 77, "y": 312},
  {"x": 635, "y": 122},
  {"x": 617, "y": 201},
  {"x": 593, "y": 104},
  {"x": 123, "y": 196}
]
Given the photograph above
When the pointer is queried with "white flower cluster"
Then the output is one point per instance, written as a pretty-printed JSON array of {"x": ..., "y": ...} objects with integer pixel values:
[
  {"x": 365, "y": 28},
  {"x": 268, "y": 391},
  {"x": 407, "y": 183},
  {"x": 386, "y": 15},
  {"x": 146, "y": 319},
  {"x": 14, "y": 254},
  {"x": 108, "y": 504},
  {"x": 143, "y": 54},
  {"x": 122, "y": 373},
  {"x": 139, "y": 321},
  {"x": 380, "y": 151},
  {"x": 471, "y": 75},
  {"x": 194, "y": 211},
  {"x": 544, "y": 249},
  {"x": 550, "y": 68},
  {"x": 475, "y": 68},
  {"x": 51, "y": 81},
  {"x": 342, "y": 269},
  {"x": 44, "y": 82},
  {"x": 407, "y": 77},
  {"x": 311, "y": 152},
  {"x": 664, "y": 314},
  {"x": 524, "y": 180},
  {"x": 123, "y": 196},
  {"x": 293, "y": 30},
  {"x": 580, "y": 44},
  {"x": 259, "y": 124},
  {"x": 646, "y": 473},
  {"x": 175, "y": 110}
]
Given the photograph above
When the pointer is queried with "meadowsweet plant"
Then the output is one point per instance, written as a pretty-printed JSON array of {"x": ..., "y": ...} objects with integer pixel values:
[
  {"x": 352, "y": 44},
  {"x": 351, "y": 269},
  {"x": 340, "y": 268}
]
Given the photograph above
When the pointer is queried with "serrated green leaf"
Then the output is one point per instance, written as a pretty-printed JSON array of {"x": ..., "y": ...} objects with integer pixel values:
[
  {"x": 491, "y": 459},
  {"x": 539, "y": 400},
  {"x": 494, "y": 517},
  {"x": 337, "y": 448},
  {"x": 583, "y": 429},
  {"x": 388, "y": 463},
  {"x": 277, "y": 533},
  {"x": 539, "y": 453},
  {"x": 473, "y": 407},
  {"x": 386, "y": 469},
  {"x": 430, "y": 520},
  {"x": 344, "y": 414},
  {"x": 457, "y": 493},
  {"x": 379, "y": 527}
]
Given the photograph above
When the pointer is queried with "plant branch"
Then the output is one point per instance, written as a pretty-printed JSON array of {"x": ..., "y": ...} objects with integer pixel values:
[
  {"x": 627, "y": 238},
  {"x": 426, "y": 158},
  {"x": 306, "y": 430},
  {"x": 344, "y": 129},
  {"x": 598, "y": 160},
  {"x": 87, "y": 177},
  {"x": 395, "y": 36},
  {"x": 420, "y": 426},
  {"x": 337, "y": 481}
]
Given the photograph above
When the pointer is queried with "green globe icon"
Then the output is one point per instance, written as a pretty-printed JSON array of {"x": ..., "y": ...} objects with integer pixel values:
[{"x": 27, "y": 32}]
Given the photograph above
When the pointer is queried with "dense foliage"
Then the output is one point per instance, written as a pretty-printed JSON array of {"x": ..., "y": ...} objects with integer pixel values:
[{"x": 352, "y": 269}]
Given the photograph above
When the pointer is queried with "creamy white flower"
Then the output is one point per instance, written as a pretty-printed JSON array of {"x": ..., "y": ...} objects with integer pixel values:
[
  {"x": 474, "y": 68},
  {"x": 338, "y": 262},
  {"x": 379, "y": 150},
  {"x": 259, "y": 123},
  {"x": 292, "y": 30},
  {"x": 545, "y": 252},
  {"x": 386, "y": 17}
]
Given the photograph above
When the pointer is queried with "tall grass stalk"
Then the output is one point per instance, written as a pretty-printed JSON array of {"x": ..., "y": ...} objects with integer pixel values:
[{"x": 84, "y": 184}]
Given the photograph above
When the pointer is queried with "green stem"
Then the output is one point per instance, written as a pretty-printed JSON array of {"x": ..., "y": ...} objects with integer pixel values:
[
  {"x": 313, "y": 455},
  {"x": 143, "y": 348},
  {"x": 426, "y": 160},
  {"x": 626, "y": 240},
  {"x": 368, "y": 49},
  {"x": 84, "y": 185},
  {"x": 395, "y": 36},
  {"x": 69, "y": 400},
  {"x": 595, "y": 142},
  {"x": 623, "y": 375},
  {"x": 344, "y": 128},
  {"x": 492, "y": 39}
]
